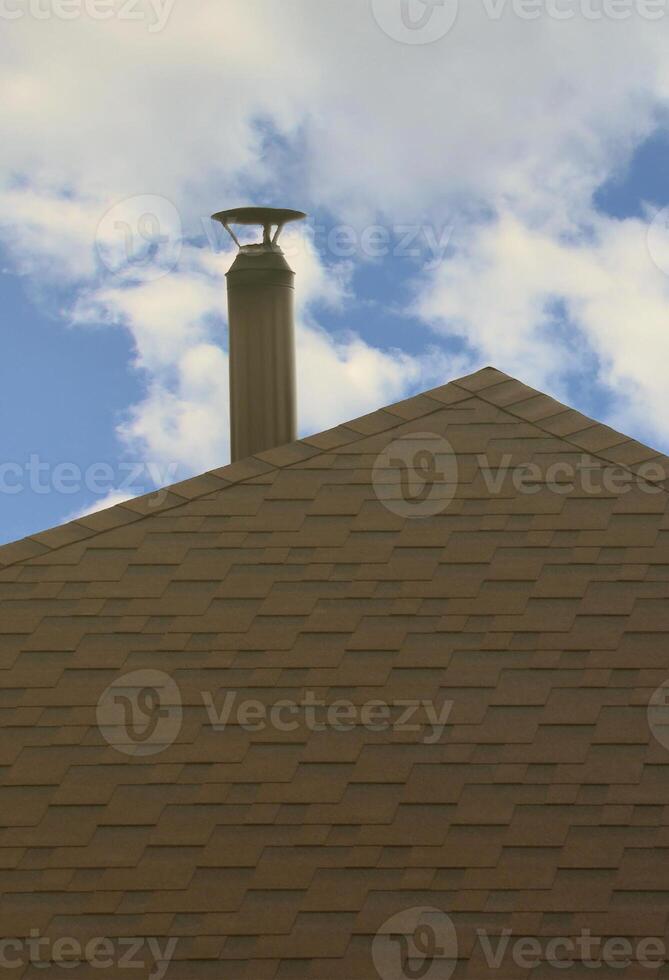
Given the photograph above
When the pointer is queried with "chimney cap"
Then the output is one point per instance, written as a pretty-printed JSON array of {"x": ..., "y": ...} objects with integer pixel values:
[
  {"x": 267, "y": 217},
  {"x": 258, "y": 216}
]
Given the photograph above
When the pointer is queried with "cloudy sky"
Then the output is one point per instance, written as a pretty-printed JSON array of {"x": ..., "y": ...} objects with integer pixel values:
[{"x": 485, "y": 185}]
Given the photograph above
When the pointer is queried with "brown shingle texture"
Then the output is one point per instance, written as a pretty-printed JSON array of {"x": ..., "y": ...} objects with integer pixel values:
[{"x": 543, "y": 807}]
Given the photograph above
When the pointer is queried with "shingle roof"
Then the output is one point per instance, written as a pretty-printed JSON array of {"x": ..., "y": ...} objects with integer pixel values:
[{"x": 280, "y": 853}]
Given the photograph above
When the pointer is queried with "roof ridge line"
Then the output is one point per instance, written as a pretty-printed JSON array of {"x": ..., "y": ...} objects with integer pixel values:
[
  {"x": 596, "y": 454},
  {"x": 150, "y": 509},
  {"x": 133, "y": 516},
  {"x": 139, "y": 508}
]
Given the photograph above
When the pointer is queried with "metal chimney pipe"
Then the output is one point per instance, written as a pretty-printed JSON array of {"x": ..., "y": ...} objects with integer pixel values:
[{"x": 261, "y": 289}]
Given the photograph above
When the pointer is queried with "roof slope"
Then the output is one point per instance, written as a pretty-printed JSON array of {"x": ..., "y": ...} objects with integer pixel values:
[{"x": 542, "y": 616}]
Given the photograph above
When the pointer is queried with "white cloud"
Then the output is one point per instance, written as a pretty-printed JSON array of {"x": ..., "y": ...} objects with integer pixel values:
[
  {"x": 360, "y": 378},
  {"x": 497, "y": 293},
  {"x": 508, "y": 108},
  {"x": 110, "y": 499},
  {"x": 506, "y": 125},
  {"x": 178, "y": 326}
]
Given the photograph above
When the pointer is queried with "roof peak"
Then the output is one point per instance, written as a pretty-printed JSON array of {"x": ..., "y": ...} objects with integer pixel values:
[{"x": 487, "y": 383}]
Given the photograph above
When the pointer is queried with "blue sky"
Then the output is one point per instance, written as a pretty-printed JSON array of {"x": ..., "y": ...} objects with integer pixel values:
[
  {"x": 642, "y": 182},
  {"x": 62, "y": 392},
  {"x": 550, "y": 196}
]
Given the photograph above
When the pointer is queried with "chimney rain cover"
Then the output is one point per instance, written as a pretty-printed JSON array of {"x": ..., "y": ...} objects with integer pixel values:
[{"x": 266, "y": 217}]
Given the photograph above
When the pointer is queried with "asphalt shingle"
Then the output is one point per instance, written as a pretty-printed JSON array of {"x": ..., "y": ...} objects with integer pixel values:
[{"x": 526, "y": 616}]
